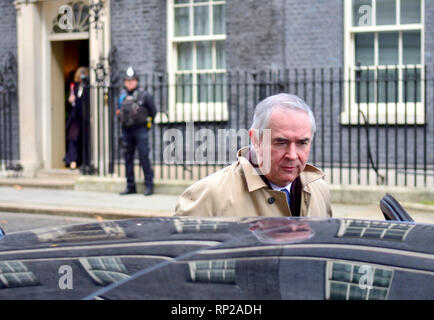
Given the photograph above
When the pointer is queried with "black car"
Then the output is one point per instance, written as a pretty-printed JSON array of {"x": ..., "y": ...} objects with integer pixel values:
[{"x": 230, "y": 259}]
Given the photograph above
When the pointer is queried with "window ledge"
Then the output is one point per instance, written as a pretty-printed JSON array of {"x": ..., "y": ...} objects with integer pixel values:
[
  {"x": 196, "y": 112},
  {"x": 397, "y": 114}
]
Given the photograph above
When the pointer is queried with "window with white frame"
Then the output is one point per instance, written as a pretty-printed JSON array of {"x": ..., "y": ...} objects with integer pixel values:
[
  {"x": 384, "y": 60},
  {"x": 196, "y": 60}
]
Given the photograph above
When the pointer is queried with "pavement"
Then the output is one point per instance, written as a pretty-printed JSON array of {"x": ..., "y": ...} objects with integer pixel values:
[
  {"x": 26, "y": 198},
  {"x": 92, "y": 204}
]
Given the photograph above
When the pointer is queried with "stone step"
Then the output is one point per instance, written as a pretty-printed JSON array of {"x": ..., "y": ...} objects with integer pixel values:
[
  {"x": 49, "y": 183},
  {"x": 46, "y": 178},
  {"x": 61, "y": 174}
]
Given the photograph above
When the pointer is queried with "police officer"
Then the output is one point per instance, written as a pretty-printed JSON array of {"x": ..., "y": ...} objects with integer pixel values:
[{"x": 136, "y": 110}]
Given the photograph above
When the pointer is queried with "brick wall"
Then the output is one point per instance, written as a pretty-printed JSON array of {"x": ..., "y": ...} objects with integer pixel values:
[
  {"x": 8, "y": 28},
  {"x": 138, "y": 31},
  {"x": 314, "y": 33},
  {"x": 284, "y": 34},
  {"x": 255, "y": 34}
]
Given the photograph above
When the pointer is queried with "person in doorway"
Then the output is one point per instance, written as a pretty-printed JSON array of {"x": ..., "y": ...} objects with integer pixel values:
[
  {"x": 136, "y": 111},
  {"x": 270, "y": 178},
  {"x": 75, "y": 123}
]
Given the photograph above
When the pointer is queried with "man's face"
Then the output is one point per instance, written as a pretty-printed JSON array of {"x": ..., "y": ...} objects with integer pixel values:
[
  {"x": 130, "y": 84},
  {"x": 291, "y": 139}
]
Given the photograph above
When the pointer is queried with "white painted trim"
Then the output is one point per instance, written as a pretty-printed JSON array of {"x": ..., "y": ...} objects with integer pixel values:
[
  {"x": 197, "y": 4},
  {"x": 216, "y": 37},
  {"x": 46, "y": 96},
  {"x": 398, "y": 12},
  {"x": 422, "y": 34},
  {"x": 386, "y": 28},
  {"x": 68, "y": 36},
  {"x": 171, "y": 53},
  {"x": 196, "y": 112},
  {"x": 395, "y": 114}
]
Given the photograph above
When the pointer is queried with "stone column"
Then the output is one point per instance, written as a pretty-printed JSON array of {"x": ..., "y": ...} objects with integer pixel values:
[{"x": 29, "y": 54}]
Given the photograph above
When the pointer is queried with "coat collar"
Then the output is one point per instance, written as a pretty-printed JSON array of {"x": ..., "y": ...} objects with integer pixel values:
[{"x": 256, "y": 181}]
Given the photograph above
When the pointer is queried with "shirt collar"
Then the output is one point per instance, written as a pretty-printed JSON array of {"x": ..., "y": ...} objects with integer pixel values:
[{"x": 275, "y": 187}]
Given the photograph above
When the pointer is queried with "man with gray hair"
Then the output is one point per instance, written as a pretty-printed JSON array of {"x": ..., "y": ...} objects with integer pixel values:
[{"x": 270, "y": 178}]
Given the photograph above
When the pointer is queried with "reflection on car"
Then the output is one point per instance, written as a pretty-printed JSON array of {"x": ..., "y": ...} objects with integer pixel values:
[{"x": 212, "y": 258}]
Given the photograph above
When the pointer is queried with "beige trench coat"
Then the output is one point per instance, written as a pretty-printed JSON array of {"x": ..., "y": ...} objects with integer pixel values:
[{"x": 238, "y": 190}]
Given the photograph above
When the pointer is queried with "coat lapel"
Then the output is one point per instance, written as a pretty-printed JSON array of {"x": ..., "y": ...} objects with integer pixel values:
[{"x": 302, "y": 195}]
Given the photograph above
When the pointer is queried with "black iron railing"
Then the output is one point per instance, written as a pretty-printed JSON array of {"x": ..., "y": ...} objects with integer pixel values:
[
  {"x": 375, "y": 125},
  {"x": 9, "y": 136}
]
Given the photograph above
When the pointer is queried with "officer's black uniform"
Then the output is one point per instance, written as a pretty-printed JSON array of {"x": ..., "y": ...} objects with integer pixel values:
[{"x": 138, "y": 136}]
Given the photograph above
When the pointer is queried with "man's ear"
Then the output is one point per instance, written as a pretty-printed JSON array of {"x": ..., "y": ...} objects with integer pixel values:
[{"x": 254, "y": 139}]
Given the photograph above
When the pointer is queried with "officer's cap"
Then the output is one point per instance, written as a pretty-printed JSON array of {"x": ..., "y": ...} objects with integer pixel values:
[{"x": 131, "y": 74}]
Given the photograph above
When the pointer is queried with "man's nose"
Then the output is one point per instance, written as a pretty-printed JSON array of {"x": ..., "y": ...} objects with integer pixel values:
[{"x": 292, "y": 152}]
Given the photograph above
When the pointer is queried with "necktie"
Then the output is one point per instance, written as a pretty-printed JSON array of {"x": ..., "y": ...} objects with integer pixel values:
[{"x": 288, "y": 198}]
